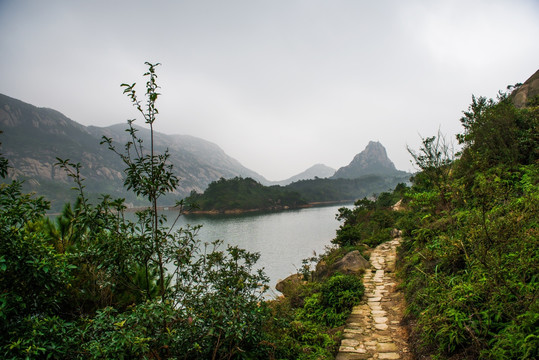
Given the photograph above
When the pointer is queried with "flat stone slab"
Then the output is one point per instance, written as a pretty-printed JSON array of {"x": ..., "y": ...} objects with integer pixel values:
[
  {"x": 390, "y": 355},
  {"x": 350, "y": 342},
  {"x": 352, "y": 356},
  {"x": 386, "y": 347},
  {"x": 350, "y": 349},
  {"x": 360, "y": 311}
]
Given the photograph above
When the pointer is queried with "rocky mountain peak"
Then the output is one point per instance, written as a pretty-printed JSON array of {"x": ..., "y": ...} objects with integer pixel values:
[{"x": 371, "y": 161}]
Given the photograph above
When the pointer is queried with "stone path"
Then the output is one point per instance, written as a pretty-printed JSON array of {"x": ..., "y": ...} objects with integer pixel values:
[{"x": 373, "y": 330}]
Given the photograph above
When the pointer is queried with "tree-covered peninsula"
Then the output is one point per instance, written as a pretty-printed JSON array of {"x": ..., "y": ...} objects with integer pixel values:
[{"x": 239, "y": 194}]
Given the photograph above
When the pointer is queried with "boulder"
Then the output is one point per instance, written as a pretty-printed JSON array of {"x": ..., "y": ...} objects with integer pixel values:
[
  {"x": 351, "y": 263},
  {"x": 322, "y": 270},
  {"x": 289, "y": 286}
]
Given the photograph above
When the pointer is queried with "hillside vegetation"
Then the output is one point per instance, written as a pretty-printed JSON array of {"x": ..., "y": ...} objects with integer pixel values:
[
  {"x": 321, "y": 190},
  {"x": 470, "y": 259},
  {"x": 469, "y": 262}
]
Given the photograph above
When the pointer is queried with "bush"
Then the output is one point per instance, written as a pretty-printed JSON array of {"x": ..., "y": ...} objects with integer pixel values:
[
  {"x": 369, "y": 222},
  {"x": 333, "y": 304}
]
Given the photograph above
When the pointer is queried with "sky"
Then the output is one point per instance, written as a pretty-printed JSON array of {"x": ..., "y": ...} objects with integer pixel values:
[{"x": 279, "y": 85}]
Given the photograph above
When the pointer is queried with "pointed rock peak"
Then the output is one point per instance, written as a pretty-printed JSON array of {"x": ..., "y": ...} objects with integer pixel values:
[
  {"x": 371, "y": 161},
  {"x": 374, "y": 144},
  {"x": 375, "y": 154},
  {"x": 374, "y": 148}
]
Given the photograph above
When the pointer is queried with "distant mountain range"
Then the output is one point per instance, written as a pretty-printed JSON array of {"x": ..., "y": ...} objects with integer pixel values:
[
  {"x": 370, "y": 172},
  {"x": 315, "y": 171},
  {"x": 34, "y": 137}
]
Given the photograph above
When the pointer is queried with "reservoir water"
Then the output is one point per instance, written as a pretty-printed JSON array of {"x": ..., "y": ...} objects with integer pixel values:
[{"x": 283, "y": 239}]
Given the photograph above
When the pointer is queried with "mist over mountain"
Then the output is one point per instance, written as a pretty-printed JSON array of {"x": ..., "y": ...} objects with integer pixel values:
[
  {"x": 315, "y": 171},
  {"x": 34, "y": 137},
  {"x": 373, "y": 160}
]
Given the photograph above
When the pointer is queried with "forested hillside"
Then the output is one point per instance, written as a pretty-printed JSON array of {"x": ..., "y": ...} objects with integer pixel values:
[
  {"x": 470, "y": 259},
  {"x": 321, "y": 190}
]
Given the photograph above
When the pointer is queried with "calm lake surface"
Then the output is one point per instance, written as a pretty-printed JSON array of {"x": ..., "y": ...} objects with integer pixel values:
[{"x": 283, "y": 239}]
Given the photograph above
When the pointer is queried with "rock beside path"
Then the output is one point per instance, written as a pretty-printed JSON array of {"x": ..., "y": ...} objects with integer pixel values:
[
  {"x": 373, "y": 330},
  {"x": 351, "y": 264}
]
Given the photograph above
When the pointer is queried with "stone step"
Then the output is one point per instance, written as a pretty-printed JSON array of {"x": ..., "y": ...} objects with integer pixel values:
[{"x": 373, "y": 330}]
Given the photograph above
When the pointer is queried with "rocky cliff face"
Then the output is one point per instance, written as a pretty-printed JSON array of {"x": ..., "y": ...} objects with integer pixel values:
[
  {"x": 527, "y": 91},
  {"x": 371, "y": 161},
  {"x": 34, "y": 137}
]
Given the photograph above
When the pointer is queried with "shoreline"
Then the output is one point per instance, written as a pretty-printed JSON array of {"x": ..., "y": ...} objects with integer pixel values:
[
  {"x": 285, "y": 208},
  {"x": 235, "y": 211}
]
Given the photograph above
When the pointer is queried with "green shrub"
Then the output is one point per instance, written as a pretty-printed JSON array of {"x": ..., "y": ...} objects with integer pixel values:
[{"x": 333, "y": 304}]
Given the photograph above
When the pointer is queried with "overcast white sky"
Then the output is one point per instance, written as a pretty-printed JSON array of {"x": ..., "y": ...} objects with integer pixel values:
[{"x": 280, "y": 85}]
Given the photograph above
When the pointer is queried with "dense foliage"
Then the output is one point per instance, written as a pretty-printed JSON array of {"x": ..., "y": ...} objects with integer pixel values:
[
  {"x": 370, "y": 222},
  {"x": 244, "y": 194},
  {"x": 308, "y": 322},
  {"x": 94, "y": 284},
  {"x": 471, "y": 254},
  {"x": 321, "y": 190}
]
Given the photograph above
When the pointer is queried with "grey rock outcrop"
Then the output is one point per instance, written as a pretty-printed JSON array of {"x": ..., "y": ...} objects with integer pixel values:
[
  {"x": 351, "y": 263},
  {"x": 289, "y": 285},
  {"x": 526, "y": 91}
]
